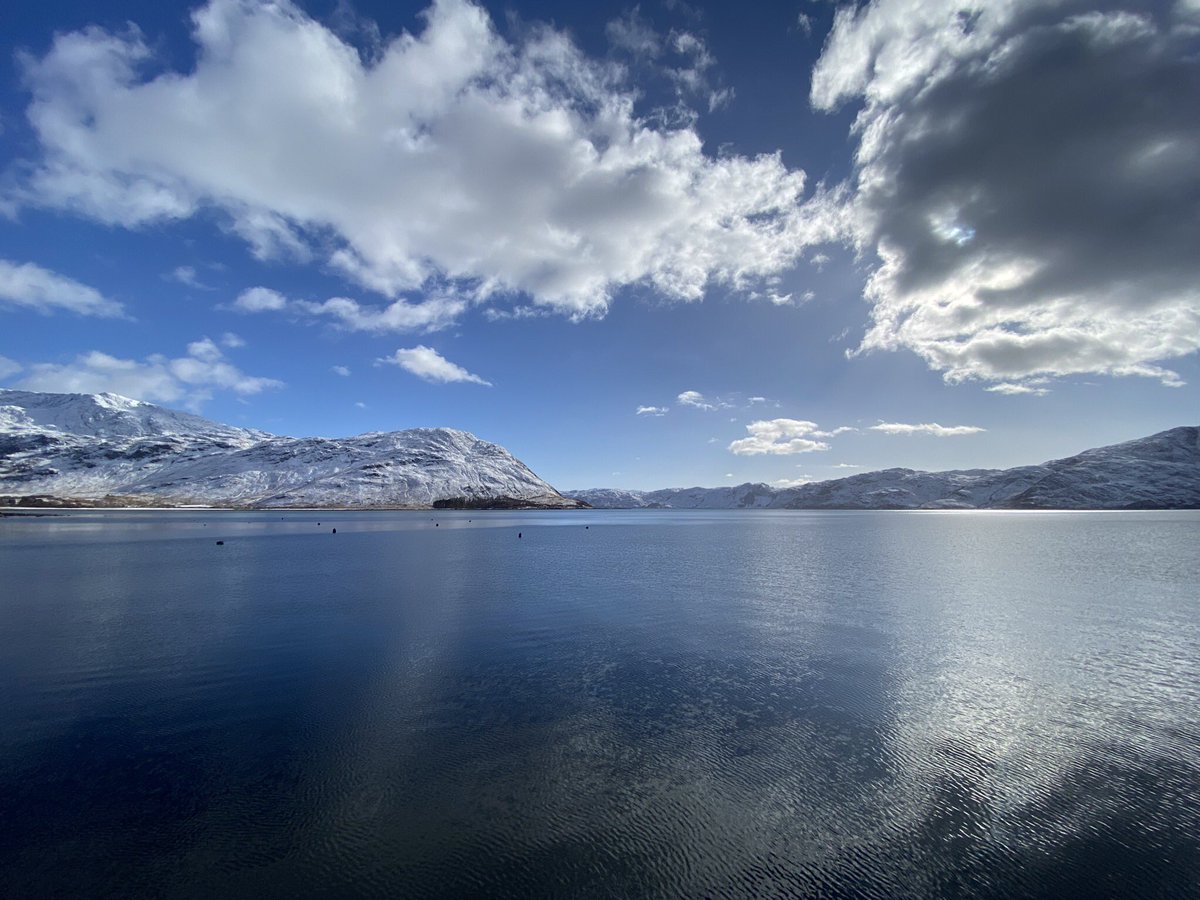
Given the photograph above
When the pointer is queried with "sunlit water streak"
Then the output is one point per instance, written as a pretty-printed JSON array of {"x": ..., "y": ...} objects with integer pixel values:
[{"x": 615, "y": 704}]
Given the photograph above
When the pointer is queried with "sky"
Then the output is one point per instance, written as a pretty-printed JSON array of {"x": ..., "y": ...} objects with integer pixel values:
[{"x": 639, "y": 245}]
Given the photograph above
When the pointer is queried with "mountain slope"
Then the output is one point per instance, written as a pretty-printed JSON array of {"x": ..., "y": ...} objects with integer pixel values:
[
  {"x": 94, "y": 446},
  {"x": 1157, "y": 472}
]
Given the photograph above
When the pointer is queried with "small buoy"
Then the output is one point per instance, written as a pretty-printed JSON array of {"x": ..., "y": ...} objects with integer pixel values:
[
  {"x": 586, "y": 527},
  {"x": 220, "y": 543},
  {"x": 518, "y": 534},
  {"x": 335, "y": 531},
  {"x": 437, "y": 524}
]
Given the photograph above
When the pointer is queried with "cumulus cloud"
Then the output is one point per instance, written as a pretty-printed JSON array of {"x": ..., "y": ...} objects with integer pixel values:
[
  {"x": 188, "y": 380},
  {"x": 344, "y": 371},
  {"x": 32, "y": 287},
  {"x": 1027, "y": 180},
  {"x": 399, "y": 316},
  {"x": 232, "y": 341},
  {"x": 449, "y": 157},
  {"x": 652, "y": 410},
  {"x": 780, "y": 437},
  {"x": 8, "y": 367},
  {"x": 931, "y": 428},
  {"x": 260, "y": 299},
  {"x": 693, "y": 398},
  {"x": 427, "y": 363}
]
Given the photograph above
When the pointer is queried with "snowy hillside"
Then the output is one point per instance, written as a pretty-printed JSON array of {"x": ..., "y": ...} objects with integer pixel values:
[
  {"x": 1157, "y": 472},
  {"x": 95, "y": 447}
]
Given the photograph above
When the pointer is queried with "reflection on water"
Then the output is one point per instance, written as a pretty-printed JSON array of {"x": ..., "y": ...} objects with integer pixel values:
[{"x": 618, "y": 704}]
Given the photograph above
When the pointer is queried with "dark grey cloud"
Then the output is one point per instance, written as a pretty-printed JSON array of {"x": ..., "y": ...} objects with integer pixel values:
[{"x": 1029, "y": 178}]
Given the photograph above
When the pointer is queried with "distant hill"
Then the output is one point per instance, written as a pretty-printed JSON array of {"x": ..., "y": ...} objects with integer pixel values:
[
  {"x": 108, "y": 449},
  {"x": 1157, "y": 472}
]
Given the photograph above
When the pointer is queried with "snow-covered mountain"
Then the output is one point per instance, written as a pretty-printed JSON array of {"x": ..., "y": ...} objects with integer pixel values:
[
  {"x": 1157, "y": 472},
  {"x": 111, "y": 449}
]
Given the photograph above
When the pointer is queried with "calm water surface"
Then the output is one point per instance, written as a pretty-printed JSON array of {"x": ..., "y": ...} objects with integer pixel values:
[{"x": 613, "y": 704}]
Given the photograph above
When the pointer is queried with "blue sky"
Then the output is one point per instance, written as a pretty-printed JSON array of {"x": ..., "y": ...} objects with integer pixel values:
[{"x": 639, "y": 245}]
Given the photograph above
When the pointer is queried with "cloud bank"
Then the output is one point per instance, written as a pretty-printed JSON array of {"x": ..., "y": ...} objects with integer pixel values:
[
  {"x": 188, "y": 380},
  {"x": 930, "y": 428},
  {"x": 1028, "y": 180},
  {"x": 452, "y": 158}
]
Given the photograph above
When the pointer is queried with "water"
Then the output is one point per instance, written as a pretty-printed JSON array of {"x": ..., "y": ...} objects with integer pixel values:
[{"x": 613, "y": 704}]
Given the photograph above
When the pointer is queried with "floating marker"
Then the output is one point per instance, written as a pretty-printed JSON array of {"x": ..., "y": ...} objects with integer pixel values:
[
  {"x": 335, "y": 531},
  {"x": 220, "y": 543},
  {"x": 518, "y": 534}
]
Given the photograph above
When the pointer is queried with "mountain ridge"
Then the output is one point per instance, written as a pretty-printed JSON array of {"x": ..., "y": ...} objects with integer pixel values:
[
  {"x": 1160, "y": 471},
  {"x": 111, "y": 450}
]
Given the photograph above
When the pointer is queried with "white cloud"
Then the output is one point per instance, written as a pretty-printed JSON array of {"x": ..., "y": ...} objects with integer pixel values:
[
  {"x": 32, "y": 287},
  {"x": 360, "y": 405},
  {"x": 427, "y": 363},
  {"x": 847, "y": 466},
  {"x": 232, "y": 341},
  {"x": 791, "y": 482},
  {"x": 634, "y": 35},
  {"x": 834, "y": 432},
  {"x": 451, "y": 158},
  {"x": 696, "y": 400},
  {"x": 754, "y": 400},
  {"x": 1010, "y": 388},
  {"x": 259, "y": 299},
  {"x": 8, "y": 367},
  {"x": 516, "y": 313},
  {"x": 931, "y": 428},
  {"x": 989, "y": 266},
  {"x": 780, "y": 437},
  {"x": 186, "y": 275},
  {"x": 344, "y": 371},
  {"x": 187, "y": 379},
  {"x": 401, "y": 315},
  {"x": 652, "y": 410}
]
